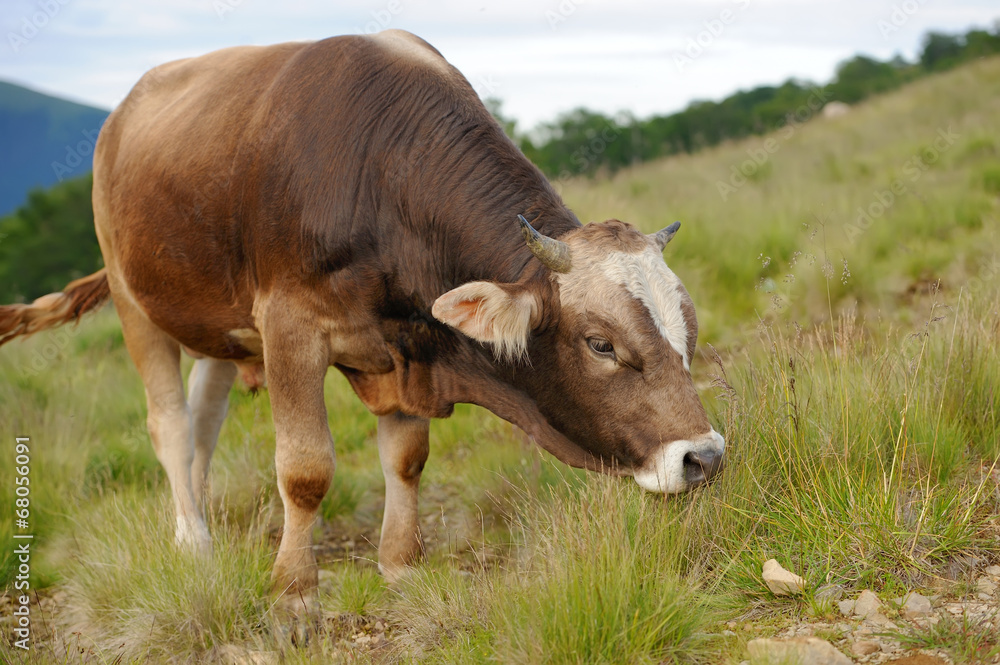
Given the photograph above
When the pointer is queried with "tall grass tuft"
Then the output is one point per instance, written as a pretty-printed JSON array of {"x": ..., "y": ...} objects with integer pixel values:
[
  {"x": 598, "y": 578},
  {"x": 603, "y": 582},
  {"x": 859, "y": 458},
  {"x": 145, "y": 597}
]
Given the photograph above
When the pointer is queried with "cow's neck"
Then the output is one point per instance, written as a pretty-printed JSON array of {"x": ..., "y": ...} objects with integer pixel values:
[
  {"x": 466, "y": 204},
  {"x": 458, "y": 223}
]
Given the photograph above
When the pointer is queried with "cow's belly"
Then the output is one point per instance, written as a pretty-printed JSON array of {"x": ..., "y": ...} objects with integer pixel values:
[{"x": 196, "y": 303}]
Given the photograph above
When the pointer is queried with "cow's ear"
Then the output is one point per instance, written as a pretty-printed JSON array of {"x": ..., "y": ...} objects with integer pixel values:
[{"x": 501, "y": 315}]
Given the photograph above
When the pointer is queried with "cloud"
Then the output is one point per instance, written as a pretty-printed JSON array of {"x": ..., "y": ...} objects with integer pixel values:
[{"x": 539, "y": 57}]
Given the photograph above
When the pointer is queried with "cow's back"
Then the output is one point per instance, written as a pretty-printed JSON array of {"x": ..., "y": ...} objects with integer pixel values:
[{"x": 199, "y": 173}]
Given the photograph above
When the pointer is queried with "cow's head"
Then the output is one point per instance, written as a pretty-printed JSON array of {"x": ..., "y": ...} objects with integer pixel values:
[{"x": 606, "y": 344}]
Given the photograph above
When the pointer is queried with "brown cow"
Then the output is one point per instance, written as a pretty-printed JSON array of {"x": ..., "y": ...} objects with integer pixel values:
[{"x": 350, "y": 202}]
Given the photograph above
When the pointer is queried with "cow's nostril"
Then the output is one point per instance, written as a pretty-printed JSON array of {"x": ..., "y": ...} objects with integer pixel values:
[{"x": 700, "y": 467}]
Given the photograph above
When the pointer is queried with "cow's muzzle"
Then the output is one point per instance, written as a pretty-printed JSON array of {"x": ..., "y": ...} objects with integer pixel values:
[
  {"x": 701, "y": 466},
  {"x": 684, "y": 464}
]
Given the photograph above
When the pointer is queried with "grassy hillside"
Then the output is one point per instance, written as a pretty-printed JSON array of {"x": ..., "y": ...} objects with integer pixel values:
[
  {"x": 859, "y": 402},
  {"x": 44, "y": 140},
  {"x": 785, "y": 241}
]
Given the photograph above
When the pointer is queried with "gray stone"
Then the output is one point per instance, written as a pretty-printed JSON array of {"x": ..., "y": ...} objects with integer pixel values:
[
  {"x": 867, "y": 604},
  {"x": 829, "y": 593},
  {"x": 986, "y": 585},
  {"x": 914, "y": 605},
  {"x": 326, "y": 579},
  {"x": 781, "y": 582},
  {"x": 805, "y": 650},
  {"x": 879, "y": 620},
  {"x": 993, "y": 571},
  {"x": 864, "y": 648},
  {"x": 846, "y": 607}
]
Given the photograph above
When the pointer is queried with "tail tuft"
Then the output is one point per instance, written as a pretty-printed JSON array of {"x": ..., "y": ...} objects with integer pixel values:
[{"x": 55, "y": 309}]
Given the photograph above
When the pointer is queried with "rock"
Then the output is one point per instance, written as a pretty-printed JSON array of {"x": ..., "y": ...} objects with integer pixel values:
[
  {"x": 846, "y": 607},
  {"x": 811, "y": 650},
  {"x": 780, "y": 581},
  {"x": 913, "y": 605},
  {"x": 835, "y": 110},
  {"x": 864, "y": 648},
  {"x": 867, "y": 604},
  {"x": 987, "y": 586},
  {"x": 993, "y": 571},
  {"x": 880, "y": 620},
  {"x": 829, "y": 593}
]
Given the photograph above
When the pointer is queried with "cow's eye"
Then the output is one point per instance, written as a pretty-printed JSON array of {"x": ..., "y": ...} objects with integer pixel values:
[{"x": 601, "y": 347}]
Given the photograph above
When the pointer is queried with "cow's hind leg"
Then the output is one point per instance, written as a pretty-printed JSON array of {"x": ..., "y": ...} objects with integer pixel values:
[
  {"x": 296, "y": 357},
  {"x": 208, "y": 395},
  {"x": 403, "y": 448},
  {"x": 157, "y": 357}
]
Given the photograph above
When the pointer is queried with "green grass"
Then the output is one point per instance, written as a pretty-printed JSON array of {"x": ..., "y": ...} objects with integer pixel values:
[
  {"x": 798, "y": 218},
  {"x": 856, "y": 465},
  {"x": 584, "y": 589},
  {"x": 856, "y": 385},
  {"x": 177, "y": 603},
  {"x": 966, "y": 640}
]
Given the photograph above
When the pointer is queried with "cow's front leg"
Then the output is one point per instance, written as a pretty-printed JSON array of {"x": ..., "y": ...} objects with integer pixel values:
[
  {"x": 296, "y": 357},
  {"x": 403, "y": 448}
]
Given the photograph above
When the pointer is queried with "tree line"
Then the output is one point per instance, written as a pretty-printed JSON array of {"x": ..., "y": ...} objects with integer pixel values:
[
  {"x": 50, "y": 239},
  {"x": 584, "y": 142}
]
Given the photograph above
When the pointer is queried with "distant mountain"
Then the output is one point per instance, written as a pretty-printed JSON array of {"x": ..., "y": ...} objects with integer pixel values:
[{"x": 43, "y": 140}]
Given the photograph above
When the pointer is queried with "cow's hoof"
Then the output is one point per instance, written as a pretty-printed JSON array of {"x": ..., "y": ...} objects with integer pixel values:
[
  {"x": 192, "y": 536},
  {"x": 296, "y": 617},
  {"x": 297, "y": 631},
  {"x": 296, "y": 603}
]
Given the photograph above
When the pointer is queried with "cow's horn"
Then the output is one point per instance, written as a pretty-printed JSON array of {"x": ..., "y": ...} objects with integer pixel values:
[
  {"x": 663, "y": 236},
  {"x": 551, "y": 252}
]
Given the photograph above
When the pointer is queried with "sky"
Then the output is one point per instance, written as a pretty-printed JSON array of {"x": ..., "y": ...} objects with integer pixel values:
[{"x": 539, "y": 57}]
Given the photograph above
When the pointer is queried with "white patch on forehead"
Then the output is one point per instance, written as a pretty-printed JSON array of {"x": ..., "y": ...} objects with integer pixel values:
[
  {"x": 652, "y": 283},
  {"x": 408, "y": 46}
]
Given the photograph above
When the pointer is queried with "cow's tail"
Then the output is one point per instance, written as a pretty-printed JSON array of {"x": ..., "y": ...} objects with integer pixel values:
[{"x": 55, "y": 309}]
